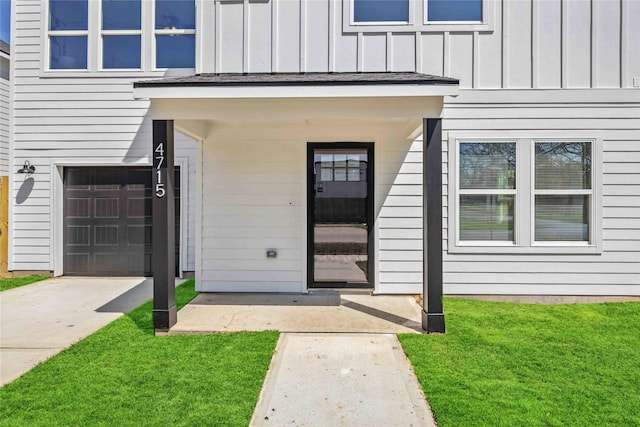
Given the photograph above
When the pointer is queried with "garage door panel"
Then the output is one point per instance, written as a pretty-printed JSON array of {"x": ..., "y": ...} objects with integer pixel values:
[
  {"x": 107, "y": 207},
  {"x": 78, "y": 235},
  {"x": 107, "y": 220},
  {"x": 77, "y": 263}
]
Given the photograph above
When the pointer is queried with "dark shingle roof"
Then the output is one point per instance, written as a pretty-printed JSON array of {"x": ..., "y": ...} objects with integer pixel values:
[
  {"x": 4, "y": 47},
  {"x": 300, "y": 79}
]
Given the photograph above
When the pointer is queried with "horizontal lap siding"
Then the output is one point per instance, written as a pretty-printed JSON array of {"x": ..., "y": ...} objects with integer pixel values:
[
  {"x": 253, "y": 199},
  {"x": 617, "y": 269},
  {"x": 85, "y": 121},
  {"x": 399, "y": 197},
  {"x": 4, "y": 116}
]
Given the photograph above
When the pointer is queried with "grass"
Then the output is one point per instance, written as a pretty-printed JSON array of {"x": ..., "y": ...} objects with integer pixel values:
[
  {"x": 124, "y": 375},
  {"x": 16, "y": 282},
  {"x": 505, "y": 364}
]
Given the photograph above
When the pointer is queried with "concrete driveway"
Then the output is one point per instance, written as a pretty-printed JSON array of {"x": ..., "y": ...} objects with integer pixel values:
[{"x": 40, "y": 320}]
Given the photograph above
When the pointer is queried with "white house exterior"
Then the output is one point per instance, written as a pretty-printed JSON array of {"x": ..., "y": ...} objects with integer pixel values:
[{"x": 540, "y": 139}]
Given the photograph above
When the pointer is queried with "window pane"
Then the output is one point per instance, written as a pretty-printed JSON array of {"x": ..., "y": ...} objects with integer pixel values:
[
  {"x": 562, "y": 218},
  {"x": 68, "y": 53},
  {"x": 487, "y": 165},
  {"x": 177, "y": 51},
  {"x": 121, "y": 52},
  {"x": 121, "y": 14},
  {"x": 340, "y": 160},
  {"x": 326, "y": 174},
  {"x": 563, "y": 165},
  {"x": 68, "y": 14},
  {"x": 354, "y": 174},
  {"x": 179, "y": 14},
  {"x": 340, "y": 174},
  {"x": 486, "y": 217},
  {"x": 454, "y": 10},
  {"x": 381, "y": 10}
]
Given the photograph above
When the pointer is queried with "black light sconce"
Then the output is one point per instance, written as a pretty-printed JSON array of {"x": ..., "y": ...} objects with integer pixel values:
[{"x": 27, "y": 168}]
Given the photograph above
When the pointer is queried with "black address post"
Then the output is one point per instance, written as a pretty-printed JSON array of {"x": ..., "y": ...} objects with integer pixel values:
[
  {"x": 432, "y": 313},
  {"x": 163, "y": 240}
]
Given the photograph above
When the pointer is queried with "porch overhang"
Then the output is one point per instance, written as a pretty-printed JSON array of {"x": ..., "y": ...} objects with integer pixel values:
[
  {"x": 297, "y": 85},
  {"x": 405, "y": 102}
]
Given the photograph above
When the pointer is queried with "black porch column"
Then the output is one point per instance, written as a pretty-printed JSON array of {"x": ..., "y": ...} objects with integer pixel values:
[
  {"x": 432, "y": 313},
  {"x": 163, "y": 251}
]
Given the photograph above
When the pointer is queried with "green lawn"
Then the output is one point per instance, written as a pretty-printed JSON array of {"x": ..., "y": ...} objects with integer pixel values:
[
  {"x": 124, "y": 375},
  {"x": 504, "y": 364},
  {"x": 16, "y": 282}
]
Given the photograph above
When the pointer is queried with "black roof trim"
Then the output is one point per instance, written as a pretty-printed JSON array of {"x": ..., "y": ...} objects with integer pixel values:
[{"x": 299, "y": 79}]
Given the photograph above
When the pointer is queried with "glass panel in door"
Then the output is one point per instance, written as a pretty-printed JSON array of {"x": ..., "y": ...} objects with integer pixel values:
[{"x": 340, "y": 217}]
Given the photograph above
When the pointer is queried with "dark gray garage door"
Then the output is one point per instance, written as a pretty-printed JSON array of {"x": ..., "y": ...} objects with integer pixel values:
[{"x": 107, "y": 221}]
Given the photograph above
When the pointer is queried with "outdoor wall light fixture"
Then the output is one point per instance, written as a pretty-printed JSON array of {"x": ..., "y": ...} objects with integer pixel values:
[{"x": 27, "y": 168}]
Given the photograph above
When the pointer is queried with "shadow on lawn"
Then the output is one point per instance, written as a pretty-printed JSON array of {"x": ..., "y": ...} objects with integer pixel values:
[{"x": 142, "y": 316}]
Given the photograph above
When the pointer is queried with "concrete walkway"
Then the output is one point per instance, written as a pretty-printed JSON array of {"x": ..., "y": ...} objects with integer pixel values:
[
  {"x": 40, "y": 320},
  {"x": 341, "y": 380}
]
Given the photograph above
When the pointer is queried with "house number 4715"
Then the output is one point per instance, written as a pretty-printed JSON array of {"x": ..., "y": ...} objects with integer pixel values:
[{"x": 159, "y": 160}]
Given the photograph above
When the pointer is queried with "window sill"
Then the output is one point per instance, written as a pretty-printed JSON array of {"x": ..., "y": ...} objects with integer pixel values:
[
  {"x": 538, "y": 249},
  {"x": 172, "y": 72},
  {"x": 376, "y": 27}
]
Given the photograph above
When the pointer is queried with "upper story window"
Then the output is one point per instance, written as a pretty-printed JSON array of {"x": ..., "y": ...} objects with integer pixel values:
[
  {"x": 418, "y": 15},
  {"x": 121, "y": 34},
  {"x": 528, "y": 195},
  {"x": 381, "y": 11},
  {"x": 114, "y": 30},
  {"x": 68, "y": 34},
  {"x": 454, "y": 10},
  {"x": 175, "y": 29}
]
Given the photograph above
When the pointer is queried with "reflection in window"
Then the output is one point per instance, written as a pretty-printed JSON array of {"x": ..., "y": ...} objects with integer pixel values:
[
  {"x": 175, "y": 14},
  {"x": 454, "y": 10},
  {"x": 66, "y": 15},
  {"x": 121, "y": 52},
  {"x": 68, "y": 52},
  {"x": 341, "y": 167},
  {"x": 121, "y": 36},
  {"x": 563, "y": 191},
  {"x": 68, "y": 33},
  {"x": 175, "y": 23},
  {"x": 176, "y": 51},
  {"x": 121, "y": 14},
  {"x": 487, "y": 189},
  {"x": 381, "y": 10}
]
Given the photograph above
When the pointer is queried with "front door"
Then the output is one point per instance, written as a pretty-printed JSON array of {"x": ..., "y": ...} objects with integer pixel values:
[{"x": 340, "y": 215}]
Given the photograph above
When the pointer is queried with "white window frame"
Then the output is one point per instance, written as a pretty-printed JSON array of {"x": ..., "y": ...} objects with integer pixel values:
[
  {"x": 94, "y": 35},
  {"x": 524, "y": 209},
  {"x": 418, "y": 20}
]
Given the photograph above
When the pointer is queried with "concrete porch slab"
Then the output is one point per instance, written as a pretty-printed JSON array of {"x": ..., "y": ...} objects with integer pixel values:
[{"x": 319, "y": 311}]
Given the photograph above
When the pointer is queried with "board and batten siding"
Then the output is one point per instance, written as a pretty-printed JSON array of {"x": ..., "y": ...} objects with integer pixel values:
[
  {"x": 79, "y": 121},
  {"x": 614, "y": 116},
  {"x": 533, "y": 44}
]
